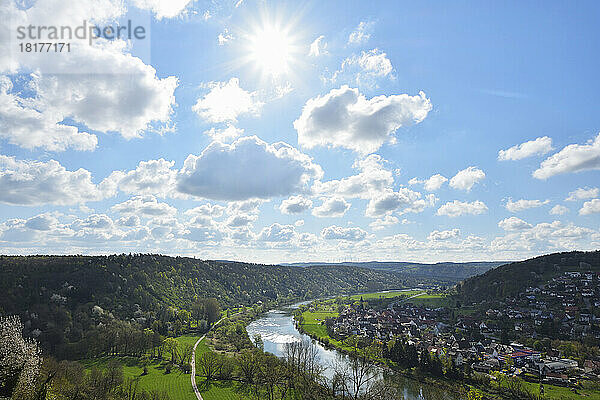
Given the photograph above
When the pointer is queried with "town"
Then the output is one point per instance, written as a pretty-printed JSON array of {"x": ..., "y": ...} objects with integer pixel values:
[{"x": 520, "y": 335}]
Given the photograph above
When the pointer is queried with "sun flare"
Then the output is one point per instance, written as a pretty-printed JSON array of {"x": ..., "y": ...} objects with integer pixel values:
[{"x": 271, "y": 49}]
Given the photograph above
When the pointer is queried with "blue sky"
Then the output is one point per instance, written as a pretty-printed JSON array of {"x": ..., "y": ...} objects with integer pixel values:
[{"x": 289, "y": 131}]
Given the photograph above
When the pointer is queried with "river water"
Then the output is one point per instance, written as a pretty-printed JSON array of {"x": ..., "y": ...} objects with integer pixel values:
[{"x": 277, "y": 328}]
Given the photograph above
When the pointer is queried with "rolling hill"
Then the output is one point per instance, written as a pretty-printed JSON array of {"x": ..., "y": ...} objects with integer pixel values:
[
  {"x": 446, "y": 271},
  {"x": 510, "y": 279}
]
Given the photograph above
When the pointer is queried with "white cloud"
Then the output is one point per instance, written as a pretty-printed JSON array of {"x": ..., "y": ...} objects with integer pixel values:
[
  {"x": 318, "y": 47},
  {"x": 95, "y": 221},
  {"x": 35, "y": 183},
  {"x": 583, "y": 194},
  {"x": 23, "y": 125},
  {"x": 435, "y": 182},
  {"x": 443, "y": 235},
  {"x": 295, "y": 205},
  {"x": 544, "y": 237},
  {"x": 152, "y": 177},
  {"x": 96, "y": 99},
  {"x": 353, "y": 234},
  {"x": 226, "y": 101},
  {"x": 346, "y": 118},
  {"x": 145, "y": 205},
  {"x": 240, "y": 220},
  {"x": 206, "y": 210},
  {"x": 251, "y": 206},
  {"x": 226, "y": 134},
  {"x": 163, "y": 8},
  {"x": 331, "y": 207},
  {"x": 539, "y": 146},
  {"x": 365, "y": 68},
  {"x": 130, "y": 220},
  {"x": 372, "y": 178},
  {"x": 42, "y": 222},
  {"x": 247, "y": 168},
  {"x": 572, "y": 158},
  {"x": 299, "y": 222},
  {"x": 361, "y": 34},
  {"x": 432, "y": 184},
  {"x": 224, "y": 37},
  {"x": 559, "y": 210},
  {"x": 457, "y": 208},
  {"x": 375, "y": 62},
  {"x": 277, "y": 233},
  {"x": 403, "y": 201},
  {"x": 590, "y": 207},
  {"x": 523, "y": 204},
  {"x": 513, "y": 224},
  {"x": 382, "y": 223},
  {"x": 467, "y": 178}
]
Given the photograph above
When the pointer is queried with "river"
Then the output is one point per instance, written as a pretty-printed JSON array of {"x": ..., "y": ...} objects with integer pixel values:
[{"x": 277, "y": 328}]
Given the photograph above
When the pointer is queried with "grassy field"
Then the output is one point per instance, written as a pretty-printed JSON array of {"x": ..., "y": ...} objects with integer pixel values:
[
  {"x": 176, "y": 384},
  {"x": 430, "y": 300},
  {"x": 385, "y": 295},
  {"x": 552, "y": 392}
]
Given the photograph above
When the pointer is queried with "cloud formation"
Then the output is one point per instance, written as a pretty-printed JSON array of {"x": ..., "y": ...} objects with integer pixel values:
[
  {"x": 334, "y": 232},
  {"x": 226, "y": 101},
  {"x": 572, "y": 158},
  {"x": 467, "y": 178},
  {"x": 457, "y": 208},
  {"x": 31, "y": 183},
  {"x": 524, "y": 204},
  {"x": 539, "y": 146},
  {"x": 247, "y": 168},
  {"x": 331, "y": 207},
  {"x": 346, "y": 118},
  {"x": 295, "y": 205}
]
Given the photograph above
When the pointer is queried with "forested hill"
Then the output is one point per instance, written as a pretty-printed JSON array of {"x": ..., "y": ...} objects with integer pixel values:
[
  {"x": 453, "y": 272},
  {"x": 510, "y": 279},
  {"x": 117, "y": 282}
]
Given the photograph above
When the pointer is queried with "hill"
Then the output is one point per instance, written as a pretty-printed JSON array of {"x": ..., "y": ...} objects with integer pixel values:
[
  {"x": 63, "y": 298},
  {"x": 510, "y": 279},
  {"x": 446, "y": 271}
]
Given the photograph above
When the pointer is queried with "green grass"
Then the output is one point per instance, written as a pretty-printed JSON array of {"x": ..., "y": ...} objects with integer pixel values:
[
  {"x": 552, "y": 392},
  {"x": 176, "y": 384},
  {"x": 431, "y": 300},
  {"x": 219, "y": 390},
  {"x": 312, "y": 322},
  {"x": 385, "y": 295}
]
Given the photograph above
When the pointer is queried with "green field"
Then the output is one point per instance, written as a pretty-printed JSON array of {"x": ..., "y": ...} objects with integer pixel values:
[
  {"x": 430, "y": 300},
  {"x": 176, "y": 384},
  {"x": 385, "y": 295},
  {"x": 561, "y": 393}
]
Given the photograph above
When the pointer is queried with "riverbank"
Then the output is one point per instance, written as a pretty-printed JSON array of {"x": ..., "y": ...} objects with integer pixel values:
[{"x": 310, "y": 321}]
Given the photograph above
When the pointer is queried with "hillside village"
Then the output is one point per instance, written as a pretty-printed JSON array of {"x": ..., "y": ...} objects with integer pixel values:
[{"x": 489, "y": 339}]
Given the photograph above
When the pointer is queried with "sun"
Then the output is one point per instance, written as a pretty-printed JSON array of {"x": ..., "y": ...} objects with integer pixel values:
[{"x": 272, "y": 50}]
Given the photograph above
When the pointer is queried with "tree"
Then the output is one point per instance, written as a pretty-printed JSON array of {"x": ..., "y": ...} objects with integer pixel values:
[
  {"x": 170, "y": 346},
  {"x": 210, "y": 365},
  {"x": 258, "y": 342},
  {"x": 212, "y": 310},
  {"x": 247, "y": 364},
  {"x": 20, "y": 360}
]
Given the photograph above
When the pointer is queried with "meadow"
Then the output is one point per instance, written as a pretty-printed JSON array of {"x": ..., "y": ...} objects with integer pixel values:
[{"x": 176, "y": 383}]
